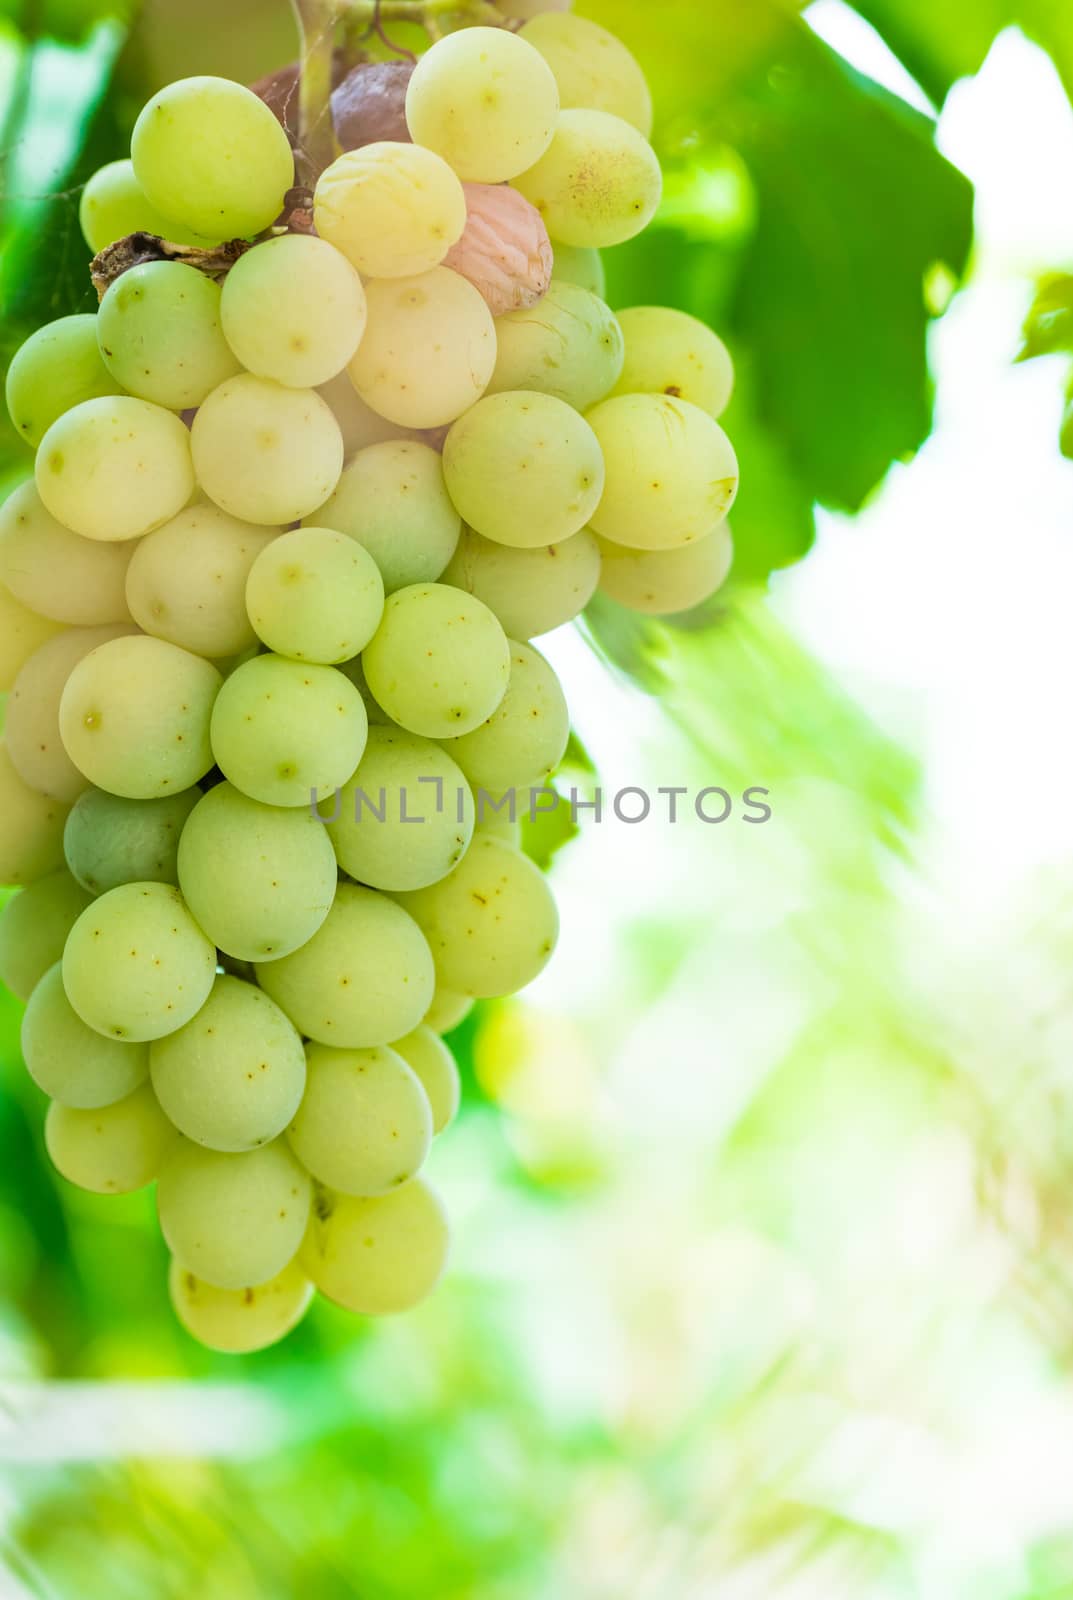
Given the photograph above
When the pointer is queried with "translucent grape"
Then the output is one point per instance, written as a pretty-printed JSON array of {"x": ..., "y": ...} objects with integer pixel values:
[
  {"x": 240, "y": 1321},
  {"x": 134, "y": 717},
  {"x": 187, "y": 580},
  {"x": 33, "y": 729},
  {"x": 671, "y": 471},
  {"x": 447, "y": 1010},
  {"x": 661, "y": 582},
  {"x": 580, "y": 264},
  {"x": 393, "y": 209},
  {"x": 315, "y": 595},
  {"x": 136, "y": 965},
  {"x": 426, "y": 1055},
  {"x": 114, "y": 204},
  {"x": 160, "y": 336},
  {"x": 265, "y": 453},
  {"x": 365, "y": 1124},
  {"x": 113, "y": 1149},
  {"x": 58, "y": 573},
  {"x": 22, "y": 631},
  {"x": 525, "y": 738},
  {"x": 439, "y": 662},
  {"x": 593, "y": 69},
  {"x": 70, "y": 1062},
  {"x": 377, "y": 1256},
  {"x": 599, "y": 183},
  {"x": 568, "y": 345},
  {"x": 359, "y": 424},
  {"x": 260, "y": 880},
  {"x": 109, "y": 840},
  {"x": 234, "y": 1220},
  {"x": 670, "y": 352},
  {"x": 294, "y": 310},
  {"x": 392, "y": 499},
  {"x": 363, "y": 979},
  {"x": 34, "y": 925},
  {"x": 113, "y": 469},
  {"x": 58, "y": 367},
  {"x": 31, "y": 842},
  {"x": 530, "y": 591},
  {"x": 282, "y": 730},
  {"x": 524, "y": 469},
  {"x": 485, "y": 101}
]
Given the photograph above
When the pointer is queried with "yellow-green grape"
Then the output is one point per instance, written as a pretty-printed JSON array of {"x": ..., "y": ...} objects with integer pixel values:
[
  {"x": 662, "y": 582},
  {"x": 160, "y": 336},
  {"x": 240, "y": 1321},
  {"x": 31, "y": 840},
  {"x": 377, "y": 1256},
  {"x": 265, "y": 453},
  {"x": 113, "y": 1149},
  {"x": 211, "y": 154},
  {"x": 672, "y": 474},
  {"x": 260, "y": 880},
  {"x": 114, "y": 204},
  {"x": 593, "y": 69},
  {"x": 315, "y": 595},
  {"x": 579, "y": 264},
  {"x": 70, "y": 1062},
  {"x": 363, "y": 979},
  {"x": 491, "y": 925},
  {"x": 439, "y": 662},
  {"x": 426, "y": 1054},
  {"x": 22, "y": 631},
  {"x": 234, "y": 1076},
  {"x": 109, "y": 840},
  {"x": 187, "y": 580},
  {"x": 115, "y": 468},
  {"x": 498, "y": 817},
  {"x": 136, "y": 965},
  {"x": 670, "y": 352},
  {"x": 134, "y": 717},
  {"x": 429, "y": 349},
  {"x": 485, "y": 101},
  {"x": 394, "y": 210},
  {"x": 526, "y": 736},
  {"x": 568, "y": 345},
  {"x": 55, "y": 572},
  {"x": 365, "y": 1124},
  {"x": 234, "y": 1220},
  {"x": 359, "y": 424},
  {"x": 598, "y": 184},
  {"x": 283, "y": 730},
  {"x": 293, "y": 310},
  {"x": 58, "y": 367},
  {"x": 524, "y": 469},
  {"x": 33, "y": 729},
  {"x": 448, "y": 1010},
  {"x": 405, "y": 818},
  {"x": 392, "y": 499},
  {"x": 34, "y": 925},
  {"x": 530, "y": 591}
]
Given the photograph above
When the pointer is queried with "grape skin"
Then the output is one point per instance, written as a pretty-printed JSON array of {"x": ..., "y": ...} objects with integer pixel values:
[
  {"x": 57, "y": 573},
  {"x": 56, "y": 368},
  {"x": 70, "y": 1061},
  {"x": 293, "y": 310},
  {"x": 113, "y": 1149},
  {"x": 115, "y": 468},
  {"x": 530, "y": 591},
  {"x": 34, "y": 925},
  {"x": 239, "y": 1321},
  {"x": 377, "y": 1256},
  {"x": 439, "y": 663},
  {"x": 109, "y": 840},
  {"x": 598, "y": 184},
  {"x": 364, "y": 1126}
]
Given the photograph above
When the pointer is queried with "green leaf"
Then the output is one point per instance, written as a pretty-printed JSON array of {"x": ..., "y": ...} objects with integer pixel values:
[{"x": 1048, "y": 327}]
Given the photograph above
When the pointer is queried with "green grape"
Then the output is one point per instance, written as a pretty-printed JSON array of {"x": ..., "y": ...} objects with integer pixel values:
[
  {"x": 187, "y": 580},
  {"x": 599, "y": 183},
  {"x": 579, "y": 264},
  {"x": 365, "y": 1124},
  {"x": 377, "y": 1256},
  {"x": 34, "y": 925},
  {"x": 294, "y": 310},
  {"x": 593, "y": 69},
  {"x": 392, "y": 499},
  {"x": 260, "y": 880},
  {"x": 109, "y": 840},
  {"x": 448, "y": 1010},
  {"x": 234, "y": 1076},
  {"x": 70, "y": 1062},
  {"x": 439, "y": 662},
  {"x": 160, "y": 335},
  {"x": 264, "y": 453},
  {"x": 427, "y": 1055},
  {"x": 234, "y": 1220},
  {"x": 363, "y": 979},
  {"x": 359, "y": 424},
  {"x": 134, "y": 717},
  {"x": 497, "y": 818},
  {"x": 211, "y": 154},
  {"x": 661, "y": 582},
  {"x": 523, "y": 469},
  {"x": 55, "y": 572},
  {"x": 315, "y": 595},
  {"x": 112, "y": 469},
  {"x": 525, "y": 738},
  {"x": 485, "y": 101},
  {"x": 31, "y": 841},
  {"x": 429, "y": 349},
  {"x": 136, "y": 965},
  {"x": 22, "y": 631},
  {"x": 240, "y": 1321},
  {"x": 491, "y": 925},
  {"x": 58, "y": 367},
  {"x": 33, "y": 730},
  {"x": 402, "y": 782},
  {"x": 393, "y": 209},
  {"x": 670, "y": 352},
  {"x": 112, "y": 1149},
  {"x": 568, "y": 345},
  {"x": 283, "y": 730},
  {"x": 530, "y": 591},
  {"x": 671, "y": 471},
  {"x": 114, "y": 205}
]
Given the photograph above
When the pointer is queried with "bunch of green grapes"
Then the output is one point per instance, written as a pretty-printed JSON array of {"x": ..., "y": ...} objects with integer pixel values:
[{"x": 267, "y": 600}]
